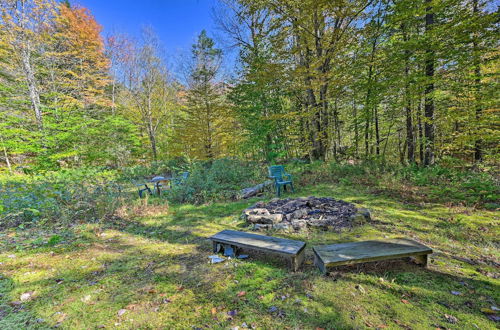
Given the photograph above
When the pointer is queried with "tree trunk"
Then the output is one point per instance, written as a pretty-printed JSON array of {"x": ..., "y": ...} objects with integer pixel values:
[
  {"x": 356, "y": 130},
  {"x": 420, "y": 133},
  {"x": 377, "y": 132},
  {"x": 429, "y": 89},
  {"x": 113, "y": 92},
  {"x": 410, "y": 141},
  {"x": 368, "y": 101},
  {"x": 478, "y": 148},
  {"x": 6, "y": 155},
  {"x": 336, "y": 125},
  {"x": 32, "y": 86},
  {"x": 151, "y": 130}
]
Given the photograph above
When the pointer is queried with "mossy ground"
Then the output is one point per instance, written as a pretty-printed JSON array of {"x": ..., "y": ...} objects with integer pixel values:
[{"x": 152, "y": 271}]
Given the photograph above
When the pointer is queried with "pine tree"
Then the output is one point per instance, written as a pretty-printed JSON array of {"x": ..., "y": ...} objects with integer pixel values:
[{"x": 208, "y": 122}]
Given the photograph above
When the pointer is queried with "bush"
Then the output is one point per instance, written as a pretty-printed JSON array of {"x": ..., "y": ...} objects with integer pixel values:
[
  {"x": 436, "y": 183},
  {"x": 139, "y": 172},
  {"x": 469, "y": 187},
  {"x": 220, "y": 179},
  {"x": 66, "y": 196}
]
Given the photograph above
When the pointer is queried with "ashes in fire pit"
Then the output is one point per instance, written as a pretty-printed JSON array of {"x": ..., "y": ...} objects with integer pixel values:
[{"x": 317, "y": 212}]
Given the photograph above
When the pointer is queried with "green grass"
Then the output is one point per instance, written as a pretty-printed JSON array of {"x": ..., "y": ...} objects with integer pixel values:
[{"x": 152, "y": 271}]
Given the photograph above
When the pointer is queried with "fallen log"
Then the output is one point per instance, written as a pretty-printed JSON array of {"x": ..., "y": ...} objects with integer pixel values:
[{"x": 255, "y": 190}]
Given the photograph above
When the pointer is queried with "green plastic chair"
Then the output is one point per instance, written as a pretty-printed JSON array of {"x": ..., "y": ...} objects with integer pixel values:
[
  {"x": 181, "y": 179},
  {"x": 143, "y": 187},
  {"x": 281, "y": 178}
]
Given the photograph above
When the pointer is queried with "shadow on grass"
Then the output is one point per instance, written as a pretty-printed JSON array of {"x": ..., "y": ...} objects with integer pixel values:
[
  {"x": 177, "y": 288},
  {"x": 14, "y": 313}
]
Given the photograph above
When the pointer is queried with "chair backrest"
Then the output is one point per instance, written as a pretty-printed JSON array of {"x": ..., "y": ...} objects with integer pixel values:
[
  {"x": 276, "y": 171},
  {"x": 181, "y": 178}
]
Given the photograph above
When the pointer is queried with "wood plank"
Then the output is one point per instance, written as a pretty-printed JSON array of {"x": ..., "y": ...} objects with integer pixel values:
[
  {"x": 259, "y": 242},
  {"x": 357, "y": 252}
]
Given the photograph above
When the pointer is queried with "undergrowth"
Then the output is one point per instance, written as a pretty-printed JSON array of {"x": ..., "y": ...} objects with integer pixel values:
[{"x": 95, "y": 194}]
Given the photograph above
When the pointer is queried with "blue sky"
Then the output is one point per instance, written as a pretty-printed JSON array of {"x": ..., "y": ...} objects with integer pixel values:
[{"x": 177, "y": 22}]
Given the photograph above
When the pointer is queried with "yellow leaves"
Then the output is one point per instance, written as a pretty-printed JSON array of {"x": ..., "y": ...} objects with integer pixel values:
[{"x": 78, "y": 49}]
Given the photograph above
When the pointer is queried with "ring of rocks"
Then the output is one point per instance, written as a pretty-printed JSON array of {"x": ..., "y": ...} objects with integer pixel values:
[{"x": 301, "y": 213}]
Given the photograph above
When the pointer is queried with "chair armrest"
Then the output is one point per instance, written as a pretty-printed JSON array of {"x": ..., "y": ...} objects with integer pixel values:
[{"x": 288, "y": 175}]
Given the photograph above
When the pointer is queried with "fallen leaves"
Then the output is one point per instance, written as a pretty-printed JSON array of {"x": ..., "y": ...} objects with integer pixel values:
[
  {"x": 276, "y": 311},
  {"x": 488, "y": 311},
  {"x": 60, "y": 317},
  {"x": 402, "y": 325},
  {"x": 241, "y": 293},
  {"x": 232, "y": 313},
  {"x": 27, "y": 296},
  {"x": 406, "y": 302},
  {"x": 360, "y": 288},
  {"x": 491, "y": 313},
  {"x": 450, "y": 318}
]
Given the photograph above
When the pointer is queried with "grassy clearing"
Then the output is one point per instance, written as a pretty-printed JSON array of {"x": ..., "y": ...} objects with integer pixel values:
[{"x": 152, "y": 271}]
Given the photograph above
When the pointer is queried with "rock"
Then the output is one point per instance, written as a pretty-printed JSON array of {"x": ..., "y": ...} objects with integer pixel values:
[
  {"x": 265, "y": 219},
  {"x": 256, "y": 211},
  {"x": 361, "y": 216},
  {"x": 281, "y": 226},
  {"x": 320, "y": 224},
  {"x": 358, "y": 219},
  {"x": 366, "y": 213},
  {"x": 300, "y": 213},
  {"x": 259, "y": 204},
  {"x": 321, "y": 212},
  {"x": 299, "y": 224},
  {"x": 259, "y": 226}
]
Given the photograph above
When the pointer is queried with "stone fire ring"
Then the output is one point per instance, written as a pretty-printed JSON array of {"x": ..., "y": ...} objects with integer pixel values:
[{"x": 323, "y": 213}]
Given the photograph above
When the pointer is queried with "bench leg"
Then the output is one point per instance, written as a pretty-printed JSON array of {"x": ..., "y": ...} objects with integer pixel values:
[
  {"x": 297, "y": 260},
  {"x": 318, "y": 263},
  {"x": 421, "y": 260}
]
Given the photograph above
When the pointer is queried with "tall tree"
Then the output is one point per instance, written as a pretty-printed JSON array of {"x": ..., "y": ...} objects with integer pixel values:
[
  {"x": 429, "y": 125},
  {"x": 24, "y": 22},
  {"x": 208, "y": 122},
  {"x": 80, "y": 69},
  {"x": 148, "y": 88}
]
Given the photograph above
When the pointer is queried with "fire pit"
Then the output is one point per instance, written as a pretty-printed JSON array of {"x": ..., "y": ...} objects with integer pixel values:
[{"x": 305, "y": 212}]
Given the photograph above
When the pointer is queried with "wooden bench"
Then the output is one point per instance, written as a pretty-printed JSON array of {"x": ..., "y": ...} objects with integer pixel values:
[
  {"x": 290, "y": 249},
  {"x": 328, "y": 256}
]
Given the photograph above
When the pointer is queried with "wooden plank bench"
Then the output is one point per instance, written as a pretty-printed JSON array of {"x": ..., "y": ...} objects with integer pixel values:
[
  {"x": 328, "y": 256},
  {"x": 290, "y": 249}
]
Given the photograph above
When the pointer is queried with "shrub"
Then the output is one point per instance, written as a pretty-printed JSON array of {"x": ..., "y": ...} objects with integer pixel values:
[
  {"x": 220, "y": 179},
  {"x": 168, "y": 167},
  {"x": 436, "y": 183},
  {"x": 67, "y": 196}
]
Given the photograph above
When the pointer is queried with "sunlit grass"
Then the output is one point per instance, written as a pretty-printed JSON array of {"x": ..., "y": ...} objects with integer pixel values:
[{"x": 152, "y": 271}]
